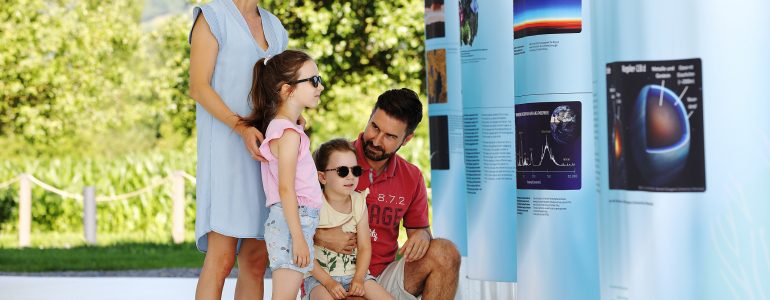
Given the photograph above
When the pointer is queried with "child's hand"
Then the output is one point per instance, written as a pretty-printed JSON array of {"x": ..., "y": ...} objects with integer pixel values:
[
  {"x": 301, "y": 252},
  {"x": 336, "y": 290},
  {"x": 357, "y": 287}
]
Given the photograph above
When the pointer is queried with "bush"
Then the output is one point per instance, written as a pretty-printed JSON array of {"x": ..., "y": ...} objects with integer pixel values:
[
  {"x": 85, "y": 86},
  {"x": 149, "y": 213}
]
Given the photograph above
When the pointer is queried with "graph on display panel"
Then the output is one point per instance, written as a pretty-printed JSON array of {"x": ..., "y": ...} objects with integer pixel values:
[
  {"x": 548, "y": 145},
  {"x": 546, "y": 160}
]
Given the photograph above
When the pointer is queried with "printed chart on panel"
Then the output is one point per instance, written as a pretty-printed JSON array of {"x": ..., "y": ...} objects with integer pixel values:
[
  {"x": 469, "y": 21},
  {"x": 536, "y": 17},
  {"x": 554, "y": 152},
  {"x": 445, "y": 121},
  {"x": 548, "y": 145},
  {"x": 437, "y": 77},
  {"x": 655, "y": 124},
  {"x": 434, "y": 19},
  {"x": 486, "y": 39}
]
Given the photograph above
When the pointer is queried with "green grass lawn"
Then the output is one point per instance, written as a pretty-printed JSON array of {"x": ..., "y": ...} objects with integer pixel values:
[
  {"x": 129, "y": 256},
  {"x": 68, "y": 252}
]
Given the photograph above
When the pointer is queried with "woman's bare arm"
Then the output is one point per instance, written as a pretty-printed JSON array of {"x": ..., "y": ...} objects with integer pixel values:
[{"x": 203, "y": 57}]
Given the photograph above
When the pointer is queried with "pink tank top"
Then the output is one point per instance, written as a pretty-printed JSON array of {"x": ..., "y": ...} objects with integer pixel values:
[{"x": 306, "y": 182}]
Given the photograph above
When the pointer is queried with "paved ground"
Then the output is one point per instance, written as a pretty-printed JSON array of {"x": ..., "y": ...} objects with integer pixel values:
[
  {"x": 118, "y": 288},
  {"x": 177, "y": 273},
  {"x": 167, "y": 284}
]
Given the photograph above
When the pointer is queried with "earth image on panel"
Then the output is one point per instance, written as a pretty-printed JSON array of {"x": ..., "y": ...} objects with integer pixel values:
[{"x": 564, "y": 125}]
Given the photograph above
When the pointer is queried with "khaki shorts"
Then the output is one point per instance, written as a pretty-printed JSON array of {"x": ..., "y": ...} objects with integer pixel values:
[{"x": 392, "y": 279}]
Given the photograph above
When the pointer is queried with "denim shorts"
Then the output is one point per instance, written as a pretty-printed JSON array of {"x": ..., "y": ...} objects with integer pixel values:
[
  {"x": 278, "y": 238},
  {"x": 311, "y": 283}
]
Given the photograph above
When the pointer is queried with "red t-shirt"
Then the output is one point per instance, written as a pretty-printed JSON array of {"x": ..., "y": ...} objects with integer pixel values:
[{"x": 397, "y": 193}]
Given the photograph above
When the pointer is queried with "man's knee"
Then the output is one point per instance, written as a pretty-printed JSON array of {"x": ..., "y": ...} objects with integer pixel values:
[{"x": 444, "y": 252}]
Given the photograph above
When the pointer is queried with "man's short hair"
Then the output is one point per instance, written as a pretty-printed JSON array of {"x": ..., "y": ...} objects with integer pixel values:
[{"x": 402, "y": 104}]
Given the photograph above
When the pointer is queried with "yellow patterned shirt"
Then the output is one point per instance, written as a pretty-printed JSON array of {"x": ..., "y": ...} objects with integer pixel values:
[{"x": 338, "y": 264}]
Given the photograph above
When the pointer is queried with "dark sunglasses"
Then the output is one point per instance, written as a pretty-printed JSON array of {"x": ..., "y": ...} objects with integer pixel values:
[
  {"x": 343, "y": 171},
  {"x": 314, "y": 80}
]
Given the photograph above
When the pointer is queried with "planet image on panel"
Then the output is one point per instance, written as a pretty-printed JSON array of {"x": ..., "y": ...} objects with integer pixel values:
[
  {"x": 654, "y": 126},
  {"x": 617, "y": 162},
  {"x": 660, "y": 135},
  {"x": 564, "y": 124},
  {"x": 617, "y": 140},
  {"x": 548, "y": 145}
]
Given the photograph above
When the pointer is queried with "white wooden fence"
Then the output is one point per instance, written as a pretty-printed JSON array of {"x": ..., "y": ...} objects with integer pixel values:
[{"x": 89, "y": 199}]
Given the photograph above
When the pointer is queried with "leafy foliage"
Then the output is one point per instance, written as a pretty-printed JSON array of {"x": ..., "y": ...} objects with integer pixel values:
[
  {"x": 89, "y": 95},
  {"x": 149, "y": 213},
  {"x": 362, "y": 48},
  {"x": 67, "y": 70}
]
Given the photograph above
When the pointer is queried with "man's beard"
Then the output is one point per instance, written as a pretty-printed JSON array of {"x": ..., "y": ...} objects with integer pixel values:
[{"x": 377, "y": 155}]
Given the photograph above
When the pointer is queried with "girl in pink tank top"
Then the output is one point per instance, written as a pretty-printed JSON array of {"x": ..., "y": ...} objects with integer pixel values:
[{"x": 283, "y": 86}]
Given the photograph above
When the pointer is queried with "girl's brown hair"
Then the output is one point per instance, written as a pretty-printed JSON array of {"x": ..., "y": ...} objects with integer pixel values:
[
  {"x": 270, "y": 74},
  {"x": 322, "y": 154}
]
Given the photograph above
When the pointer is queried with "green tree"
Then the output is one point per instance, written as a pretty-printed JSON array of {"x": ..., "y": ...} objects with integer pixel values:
[
  {"x": 68, "y": 68},
  {"x": 83, "y": 82},
  {"x": 362, "y": 49},
  {"x": 166, "y": 67}
]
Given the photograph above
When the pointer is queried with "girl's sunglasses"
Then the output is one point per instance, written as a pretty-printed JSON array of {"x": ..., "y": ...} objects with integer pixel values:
[
  {"x": 314, "y": 80},
  {"x": 343, "y": 171}
]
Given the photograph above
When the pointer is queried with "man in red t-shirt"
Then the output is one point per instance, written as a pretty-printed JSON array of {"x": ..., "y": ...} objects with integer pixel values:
[{"x": 428, "y": 267}]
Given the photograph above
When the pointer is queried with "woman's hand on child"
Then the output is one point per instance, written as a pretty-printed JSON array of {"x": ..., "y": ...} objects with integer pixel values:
[
  {"x": 336, "y": 290},
  {"x": 251, "y": 139},
  {"x": 301, "y": 253},
  {"x": 357, "y": 287}
]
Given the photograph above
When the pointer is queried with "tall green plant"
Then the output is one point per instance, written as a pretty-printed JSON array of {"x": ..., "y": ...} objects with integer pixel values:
[{"x": 149, "y": 213}]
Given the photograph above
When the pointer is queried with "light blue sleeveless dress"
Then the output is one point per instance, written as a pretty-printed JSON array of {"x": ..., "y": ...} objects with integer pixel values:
[{"x": 230, "y": 198}]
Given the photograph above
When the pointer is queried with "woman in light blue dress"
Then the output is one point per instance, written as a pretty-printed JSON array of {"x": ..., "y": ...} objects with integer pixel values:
[{"x": 227, "y": 38}]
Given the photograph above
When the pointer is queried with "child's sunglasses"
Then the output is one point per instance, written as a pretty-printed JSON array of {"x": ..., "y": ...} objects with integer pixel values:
[
  {"x": 314, "y": 80},
  {"x": 344, "y": 170}
]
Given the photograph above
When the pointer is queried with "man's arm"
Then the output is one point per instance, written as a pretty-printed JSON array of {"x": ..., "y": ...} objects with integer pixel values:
[
  {"x": 417, "y": 244},
  {"x": 417, "y": 225},
  {"x": 413, "y": 231},
  {"x": 335, "y": 239}
]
